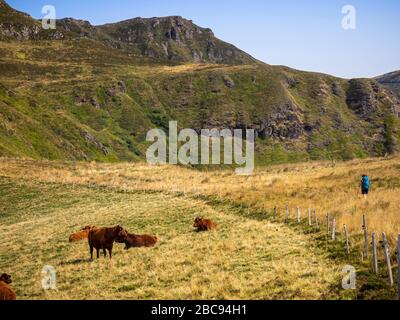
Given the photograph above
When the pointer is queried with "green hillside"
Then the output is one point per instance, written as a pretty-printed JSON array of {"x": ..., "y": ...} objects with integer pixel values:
[{"x": 92, "y": 93}]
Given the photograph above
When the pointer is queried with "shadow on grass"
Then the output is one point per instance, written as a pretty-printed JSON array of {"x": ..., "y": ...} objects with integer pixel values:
[{"x": 76, "y": 262}]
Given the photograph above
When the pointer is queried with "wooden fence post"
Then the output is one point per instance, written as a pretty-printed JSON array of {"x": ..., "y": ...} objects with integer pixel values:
[
  {"x": 388, "y": 262},
  {"x": 298, "y": 215},
  {"x": 374, "y": 254},
  {"x": 398, "y": 267},
  {"x": 309, "y": 217},
  {"x": 328, "y": 224},
  {"x": 347, "y": 240},
  {"x": 287, "y": 212},
  {"x": 365, "y": 236},
  {"x": 316, "y": 218},
  {"x": 334, "y": 230}
]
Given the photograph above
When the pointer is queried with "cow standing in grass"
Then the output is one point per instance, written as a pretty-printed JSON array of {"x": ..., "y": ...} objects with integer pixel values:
[{"x": 104, "y": 238}]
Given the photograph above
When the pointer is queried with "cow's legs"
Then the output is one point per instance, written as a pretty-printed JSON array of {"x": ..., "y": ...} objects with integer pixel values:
[
  {"x": 98, "y": 253},
  {"x": 91, "y": 252},
  {"x": 105, "y": 253}
]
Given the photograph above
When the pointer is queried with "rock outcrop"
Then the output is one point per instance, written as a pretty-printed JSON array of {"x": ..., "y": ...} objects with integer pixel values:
[
  {"x": 367, "y": 98},
  {"x": 282, "y": 124},
  {"x": 92, "y": 141}
]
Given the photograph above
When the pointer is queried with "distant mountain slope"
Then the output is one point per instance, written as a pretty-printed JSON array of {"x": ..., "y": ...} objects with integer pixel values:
[
  {"x": 391, "y": 81},
  {"x": 174, "y": 38},
  {"x": 91, "y": 93}
]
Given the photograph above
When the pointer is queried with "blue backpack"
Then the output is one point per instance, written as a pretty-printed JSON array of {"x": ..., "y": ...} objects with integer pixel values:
[{"x": 365, "y": 183}]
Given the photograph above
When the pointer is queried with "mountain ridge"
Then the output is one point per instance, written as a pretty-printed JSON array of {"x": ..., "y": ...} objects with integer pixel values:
[
  {"x": 170, "y": 38},
  {"x": 176, "y": 39}
]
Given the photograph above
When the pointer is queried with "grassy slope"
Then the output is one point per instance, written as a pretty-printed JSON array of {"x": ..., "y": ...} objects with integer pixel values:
[
  {"x": 243, "y": 259},
  {"x": 44, "y": 105},
  {"x": 42, "y": 118}
]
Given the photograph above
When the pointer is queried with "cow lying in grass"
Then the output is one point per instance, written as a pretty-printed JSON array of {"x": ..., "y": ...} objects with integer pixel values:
[
  {"x": 104, "y": 238},
  {"x": 6, "y": 293},
  {"x": 137, "y": 241},
  {"x": 204, "y": 225},
  {"x": 81, "y": 235}
]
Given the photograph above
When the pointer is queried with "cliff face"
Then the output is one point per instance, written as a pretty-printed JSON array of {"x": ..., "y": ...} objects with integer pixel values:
[{"x": 368, "y": 99}]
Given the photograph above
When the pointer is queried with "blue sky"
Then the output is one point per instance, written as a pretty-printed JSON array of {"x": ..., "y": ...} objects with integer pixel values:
[{"x": 303, "y": 34}]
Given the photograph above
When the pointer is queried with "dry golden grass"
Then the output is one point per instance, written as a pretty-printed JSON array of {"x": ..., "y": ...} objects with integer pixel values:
[
  {"x": 247, "y": 258},
  {"x": 243, "y": 259},
  {"x": 193, "y": 67},
  {"x": 325, "y": 186}
]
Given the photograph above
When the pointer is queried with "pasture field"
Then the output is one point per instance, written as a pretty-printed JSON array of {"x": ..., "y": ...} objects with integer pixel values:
[
  {"x": 332, "y": 187},
  {"x": 243, "y": 259},
  {"x": 250, "y": 255}
]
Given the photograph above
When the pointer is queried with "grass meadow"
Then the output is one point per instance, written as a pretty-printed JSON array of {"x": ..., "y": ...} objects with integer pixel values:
[{"x": 250, "y": 255}]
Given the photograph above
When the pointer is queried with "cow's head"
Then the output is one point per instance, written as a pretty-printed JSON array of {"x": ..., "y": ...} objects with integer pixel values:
[
  {"x": 6, "y": 278},
  {"x": 121, "y": 234},
  {"x": 198, "y": 222}
]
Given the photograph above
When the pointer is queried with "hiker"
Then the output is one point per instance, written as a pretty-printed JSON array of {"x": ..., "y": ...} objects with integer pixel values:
[{"x": 365, "y": 185}]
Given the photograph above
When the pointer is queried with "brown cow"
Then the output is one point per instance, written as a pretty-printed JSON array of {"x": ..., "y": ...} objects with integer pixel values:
[
  {"x": 103, "y": 239},
  {"x": 6, "y": 293},
  {"x": 81, "y": 235},
  {"x": 137, "y": 241},
  {"x": 204, "y": 224}
]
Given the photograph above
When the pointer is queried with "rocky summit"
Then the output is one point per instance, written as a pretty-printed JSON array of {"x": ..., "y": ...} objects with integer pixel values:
[
  {"x": 172, "y": 38},
  {"x": 85, "y": 92}
]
